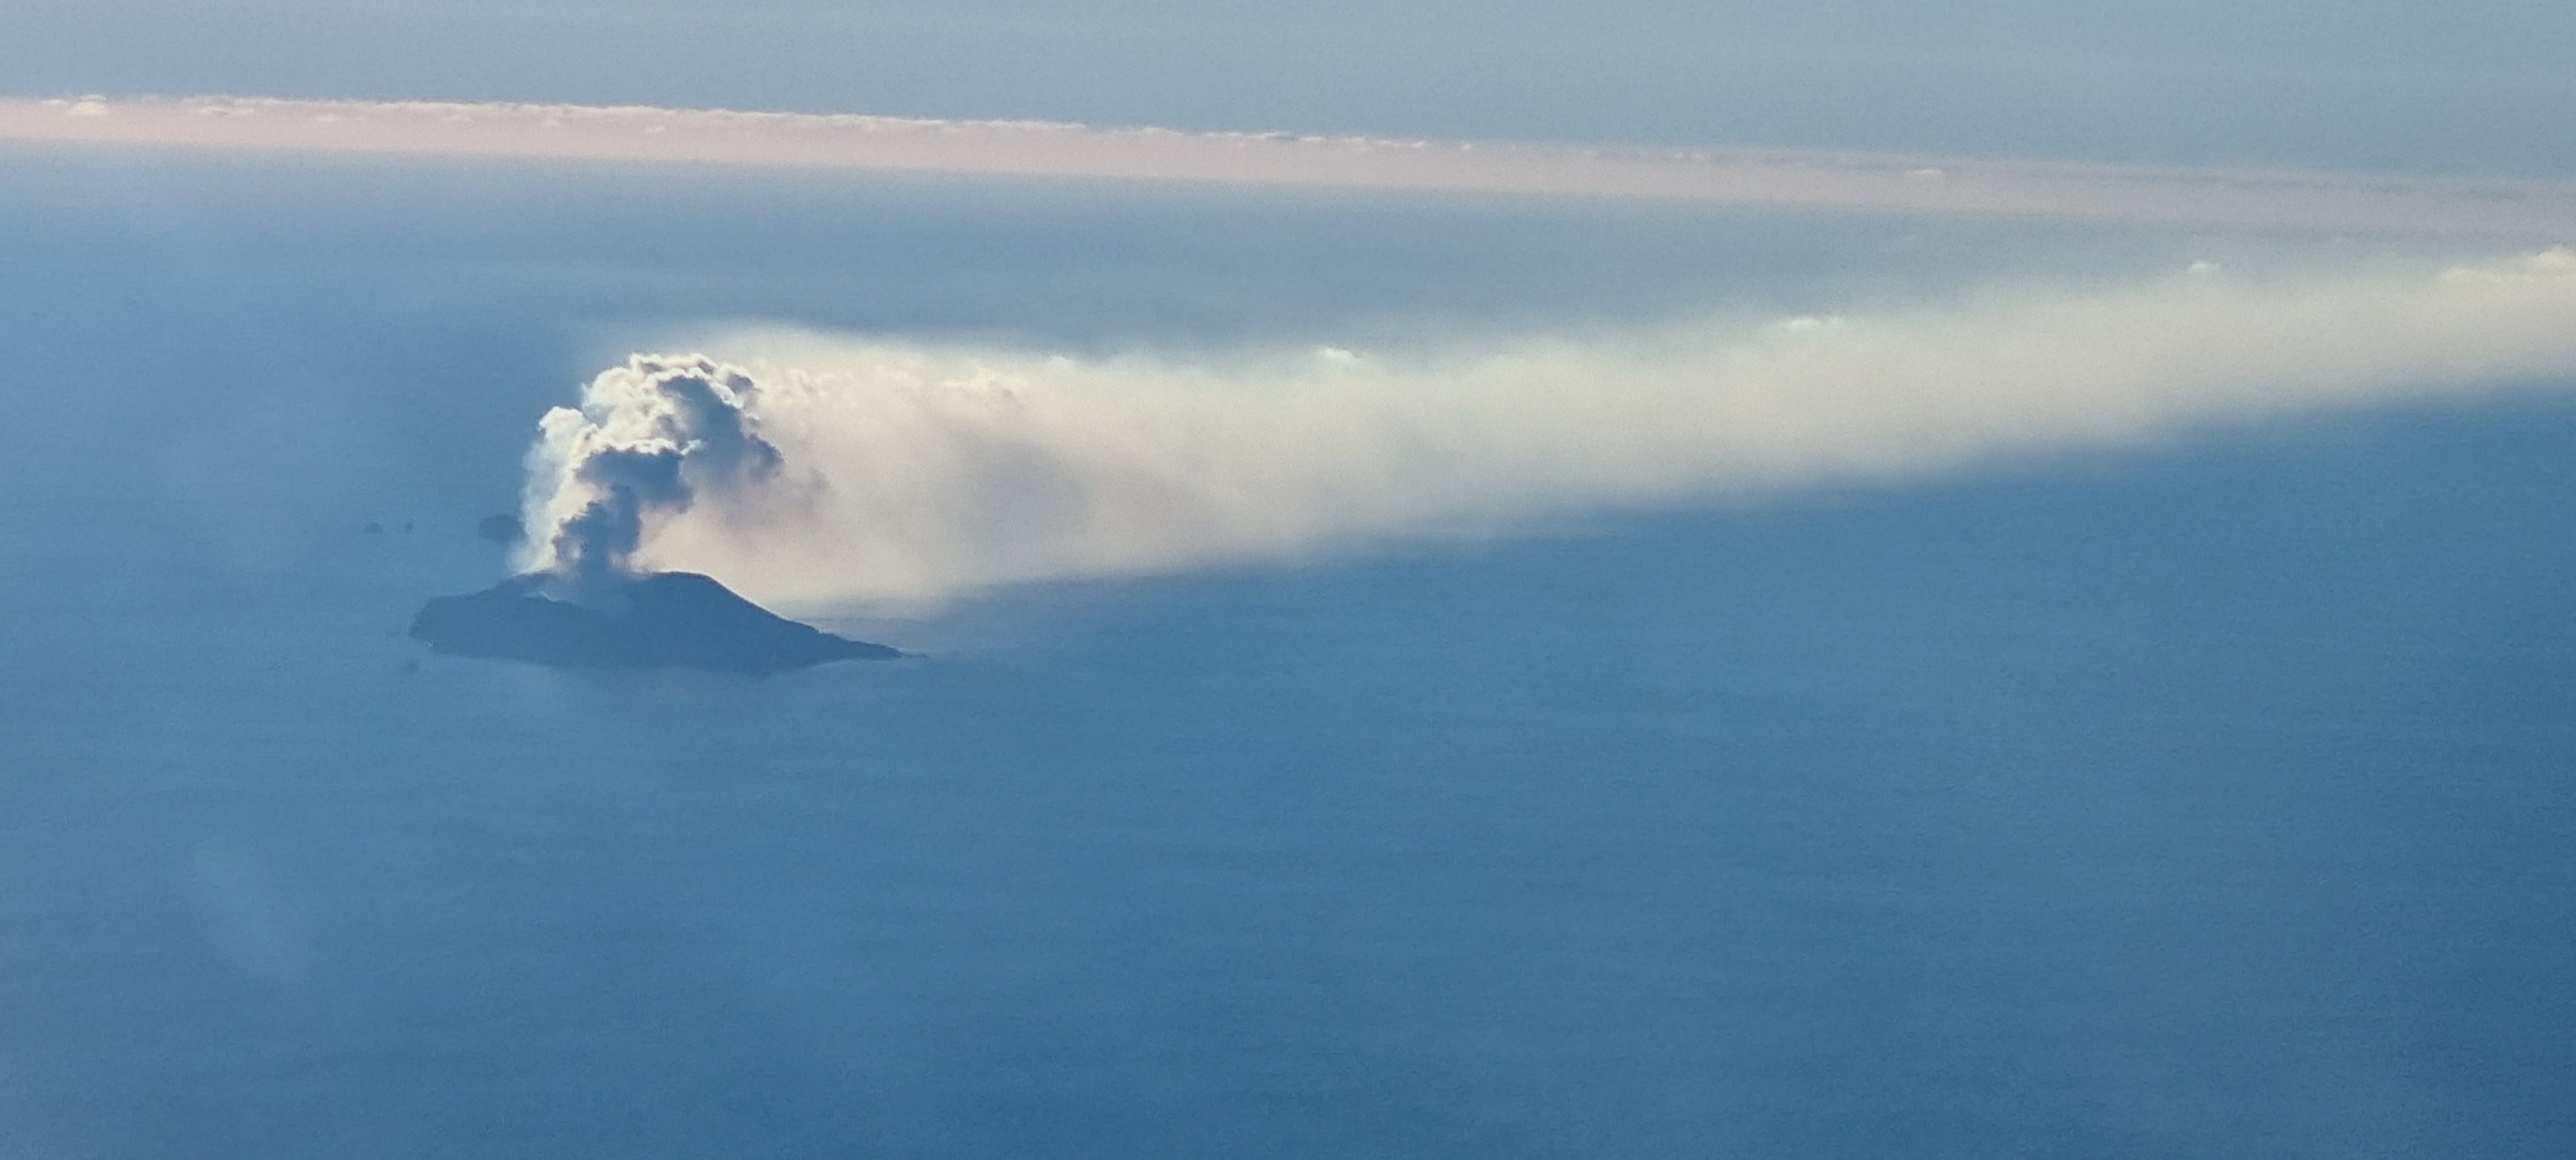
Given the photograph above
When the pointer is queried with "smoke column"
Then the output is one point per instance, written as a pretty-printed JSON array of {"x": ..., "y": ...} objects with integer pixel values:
[
  {"x": 646, "y": 439},
  {"x": 819, "y": 469}
]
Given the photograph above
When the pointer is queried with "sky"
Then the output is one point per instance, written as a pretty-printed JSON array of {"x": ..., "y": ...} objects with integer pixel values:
[{"x": 2384, "y": 85}]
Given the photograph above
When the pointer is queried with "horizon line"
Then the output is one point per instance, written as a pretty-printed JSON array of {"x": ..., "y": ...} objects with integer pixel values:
[{"x": 2532, "y": 210}]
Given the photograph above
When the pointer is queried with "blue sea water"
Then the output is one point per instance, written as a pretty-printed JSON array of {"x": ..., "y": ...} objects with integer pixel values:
[{"x": 2205, "y": 799}]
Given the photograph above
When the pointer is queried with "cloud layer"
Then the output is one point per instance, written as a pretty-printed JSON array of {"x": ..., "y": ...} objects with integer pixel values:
[
  {"x": 827, "y": 469},
  {"x": 2527, "y": 211}
]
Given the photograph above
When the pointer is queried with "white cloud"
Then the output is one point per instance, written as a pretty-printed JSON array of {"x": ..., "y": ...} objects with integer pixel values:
[
  {"x": 913, "y": 471},
  {"x": 2528, "y": 211}
]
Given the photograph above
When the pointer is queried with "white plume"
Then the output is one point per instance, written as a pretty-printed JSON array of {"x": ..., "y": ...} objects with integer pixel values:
[{"x": 820, "y": 469}]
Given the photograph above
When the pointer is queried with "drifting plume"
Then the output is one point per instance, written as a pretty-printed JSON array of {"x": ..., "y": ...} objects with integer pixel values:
[{"x": 824, "y": 469}]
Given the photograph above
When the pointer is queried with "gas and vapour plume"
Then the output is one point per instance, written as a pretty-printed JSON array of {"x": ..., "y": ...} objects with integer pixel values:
[{"x": 816, "y": 469}]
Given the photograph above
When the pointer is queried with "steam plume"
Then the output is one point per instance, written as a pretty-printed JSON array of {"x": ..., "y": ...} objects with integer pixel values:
[
  {"x": 827, "y": 469},
  {"x": 648, "y": 436}
]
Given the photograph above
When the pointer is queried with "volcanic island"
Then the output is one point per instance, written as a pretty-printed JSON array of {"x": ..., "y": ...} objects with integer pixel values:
[{"x": 641, "y": 620}]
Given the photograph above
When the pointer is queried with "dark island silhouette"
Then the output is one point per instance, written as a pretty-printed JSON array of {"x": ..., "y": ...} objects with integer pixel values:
[{"x": 629, "y": 621}]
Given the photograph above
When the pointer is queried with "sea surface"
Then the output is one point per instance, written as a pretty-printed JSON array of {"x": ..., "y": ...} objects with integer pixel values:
[{"x": 2211, "y": 798}]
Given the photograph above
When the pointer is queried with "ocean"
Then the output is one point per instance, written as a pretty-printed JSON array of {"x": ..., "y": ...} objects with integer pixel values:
[{"x": 2207, "y": 797}]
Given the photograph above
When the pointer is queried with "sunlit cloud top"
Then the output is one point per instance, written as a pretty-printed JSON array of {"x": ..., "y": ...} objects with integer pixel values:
[{"x": 2534, "y": 211}]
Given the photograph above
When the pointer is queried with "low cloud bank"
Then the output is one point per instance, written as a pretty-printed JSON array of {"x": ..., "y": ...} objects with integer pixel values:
[
  {"x": 823, "y": 469},
  {"x": 2524, "y": 211}
]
